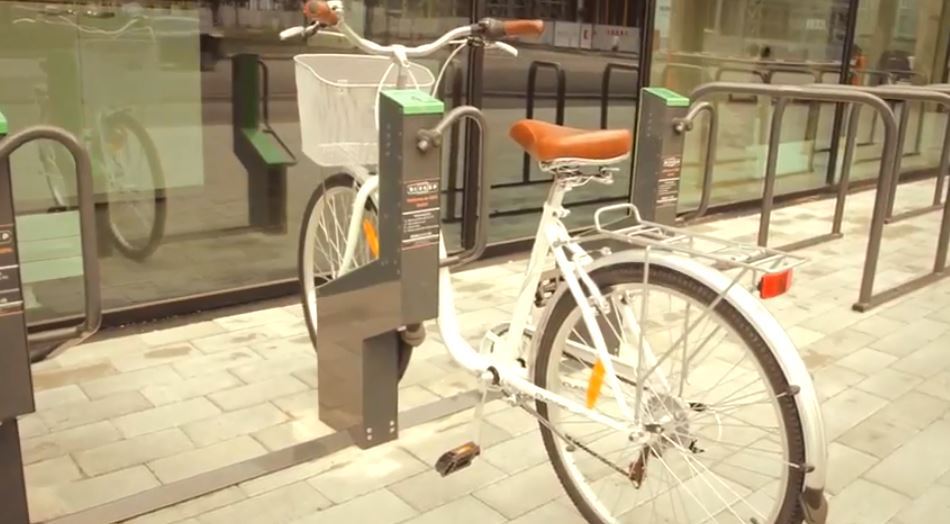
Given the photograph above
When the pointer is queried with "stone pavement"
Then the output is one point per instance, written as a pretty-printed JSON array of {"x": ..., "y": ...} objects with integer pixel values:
[{"x": 150, "y": 406}]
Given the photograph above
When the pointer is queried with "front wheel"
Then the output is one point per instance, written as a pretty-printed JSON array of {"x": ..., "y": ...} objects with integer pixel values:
[
  {"x": 720, "y": 435},
  {"x": 136, "y": 187},
  {"x": 323, "y": 245}
]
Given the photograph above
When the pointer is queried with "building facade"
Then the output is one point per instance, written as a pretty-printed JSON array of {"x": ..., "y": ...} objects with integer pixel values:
[{"x": 211, "y": 132}]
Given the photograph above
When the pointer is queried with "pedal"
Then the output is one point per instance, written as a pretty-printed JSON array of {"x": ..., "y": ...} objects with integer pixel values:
[{"x": 458, "y": 458}]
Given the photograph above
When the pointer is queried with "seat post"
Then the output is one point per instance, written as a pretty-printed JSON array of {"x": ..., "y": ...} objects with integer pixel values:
[{"x": 559, "y": 187}]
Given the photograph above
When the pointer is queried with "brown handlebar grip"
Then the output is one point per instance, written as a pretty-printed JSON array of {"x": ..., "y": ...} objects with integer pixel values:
[
  {"x": 320, "y": 12},
  {"x": 523, "y": 27}
]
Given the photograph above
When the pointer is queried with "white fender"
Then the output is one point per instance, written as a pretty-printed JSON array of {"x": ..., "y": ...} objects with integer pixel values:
[{"x": 816, "y": 449}]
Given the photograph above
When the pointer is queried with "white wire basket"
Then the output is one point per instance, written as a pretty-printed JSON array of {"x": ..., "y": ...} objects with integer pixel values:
[{"x": 337, "y": 97}]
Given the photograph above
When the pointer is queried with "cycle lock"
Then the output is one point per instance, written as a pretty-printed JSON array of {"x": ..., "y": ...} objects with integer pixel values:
[
  {"x": 359, "y": 314},
  {"x": 659, "y": 154}
]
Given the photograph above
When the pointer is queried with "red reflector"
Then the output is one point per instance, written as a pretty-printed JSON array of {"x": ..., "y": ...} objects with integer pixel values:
[{"x": 775, "y": 284}]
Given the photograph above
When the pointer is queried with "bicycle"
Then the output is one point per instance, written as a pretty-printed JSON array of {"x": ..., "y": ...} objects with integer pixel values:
[
  {"x": 344, "y": 89},
  {"x": 124, "y": 156},
  {"x": 663, "y": 388}
]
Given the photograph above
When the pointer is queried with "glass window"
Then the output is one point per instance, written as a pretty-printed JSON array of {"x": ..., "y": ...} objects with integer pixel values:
[
  {"x": 190, "y": 112},
  {"x": 581, "y": 43},
  {"x": 767, "y": 41},
  {"x": 903, "y": 41}
]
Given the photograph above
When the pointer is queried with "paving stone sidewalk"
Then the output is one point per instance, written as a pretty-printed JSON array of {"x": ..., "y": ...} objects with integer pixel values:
[{"x": 136, "y": 411}]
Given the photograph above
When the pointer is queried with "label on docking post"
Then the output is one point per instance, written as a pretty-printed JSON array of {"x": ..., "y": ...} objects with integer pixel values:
[
  {"x": 668, "y": 185},
  {"x": 9, "y": 270},
  {"x": 420, "y": 213}
]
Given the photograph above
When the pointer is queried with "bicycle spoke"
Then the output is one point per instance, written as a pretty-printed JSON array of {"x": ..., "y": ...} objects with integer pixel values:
[
  {"x": 702, "y": 396},
  {"x": 683, "y": 369},
  {"x": 690, "y": 460},
  {"x": 717, "y": 408},
  {"x": 683, "y": 486},
  {"x": 338, "y": 232},
  {"x": 713, "y": 384},
  {"x": 709, "y": 310},
  {"x": 320, "y": 225}
]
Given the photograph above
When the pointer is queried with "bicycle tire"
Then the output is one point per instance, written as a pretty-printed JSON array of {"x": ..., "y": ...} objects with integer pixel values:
[
  {"x": 55, "y": 181},
  {"x": 607, "y": 277},
  {"x": 52, "y": 161},
  {"x": 141, "y": 251},
  {"x": 305, "y": 258}
]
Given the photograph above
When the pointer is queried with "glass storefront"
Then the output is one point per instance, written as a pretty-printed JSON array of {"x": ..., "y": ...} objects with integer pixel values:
[
  {"x": 903, "y": 41},
  {"x": 585, "y": 69},
  {"x": 797, "y": 42},
  {"x": 190, "y": 111},
  {"x": 772, "y": 42}
]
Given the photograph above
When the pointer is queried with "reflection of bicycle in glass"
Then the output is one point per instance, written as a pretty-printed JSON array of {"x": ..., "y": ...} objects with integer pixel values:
[
  {"x": 125, "y": 160},
  {"x": 664, "y": 390}
]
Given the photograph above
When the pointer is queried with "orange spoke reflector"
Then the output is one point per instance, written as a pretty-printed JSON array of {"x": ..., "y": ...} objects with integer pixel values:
[
  {"x": 372, "y": 239},
  {"x": 595, "y": 384},
  {"x": 775, "y": 284}
]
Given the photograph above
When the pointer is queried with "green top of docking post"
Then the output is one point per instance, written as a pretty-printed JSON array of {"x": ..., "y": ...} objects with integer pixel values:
[
  {"x": 672, "y": 98},
  {"x": 415, "y": 102},
  {"x": 3, "y": 124}
]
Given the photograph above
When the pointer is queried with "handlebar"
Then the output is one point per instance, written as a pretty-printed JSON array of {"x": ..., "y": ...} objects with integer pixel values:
[
  {"x": 299, "y": 31},
  {"x": 524, "y": 27},
  {"x": 330, "y": 14},
  {"x": 496, "y": 29}
]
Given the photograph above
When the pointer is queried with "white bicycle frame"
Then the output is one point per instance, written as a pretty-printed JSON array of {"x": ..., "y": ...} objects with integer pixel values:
[
  {"x": 552, "y": 238},
  {"x": 503, "y": 367}
]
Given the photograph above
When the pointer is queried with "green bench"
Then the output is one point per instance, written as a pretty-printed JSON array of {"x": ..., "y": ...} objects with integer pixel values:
[
  {"x": 268, "y": 148},
  {"x": 260, "y": 151}
]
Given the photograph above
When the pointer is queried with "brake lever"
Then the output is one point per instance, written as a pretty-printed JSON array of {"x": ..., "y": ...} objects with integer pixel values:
[
  {"x": 304, "y": 32},
  {"x": 508, "y": 48},
  {"x": 312, "y": 29}
]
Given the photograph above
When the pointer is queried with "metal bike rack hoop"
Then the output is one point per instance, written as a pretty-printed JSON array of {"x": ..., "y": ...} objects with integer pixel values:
[
  {"x": 64, "y": 338},
  {"x": 430, "y": 138},
  {"x": 906, "y": 94},
  {"x": 451, "y": 192},
  {"x": 825, "y": 93},
  {"x": 686, "y": 124},
  {"x": 605, "y": 86},
  {"x": 867, "y": 298},
  {"x": 561, "y": 93}
]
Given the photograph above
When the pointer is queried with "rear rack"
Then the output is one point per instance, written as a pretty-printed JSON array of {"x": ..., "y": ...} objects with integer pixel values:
[{"x": 722, "y": 254}]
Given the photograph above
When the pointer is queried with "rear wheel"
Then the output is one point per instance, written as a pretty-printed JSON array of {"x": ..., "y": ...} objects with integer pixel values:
[
  {"x": 723, "y": 437},
  {"x": 323, "y": 243}
]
